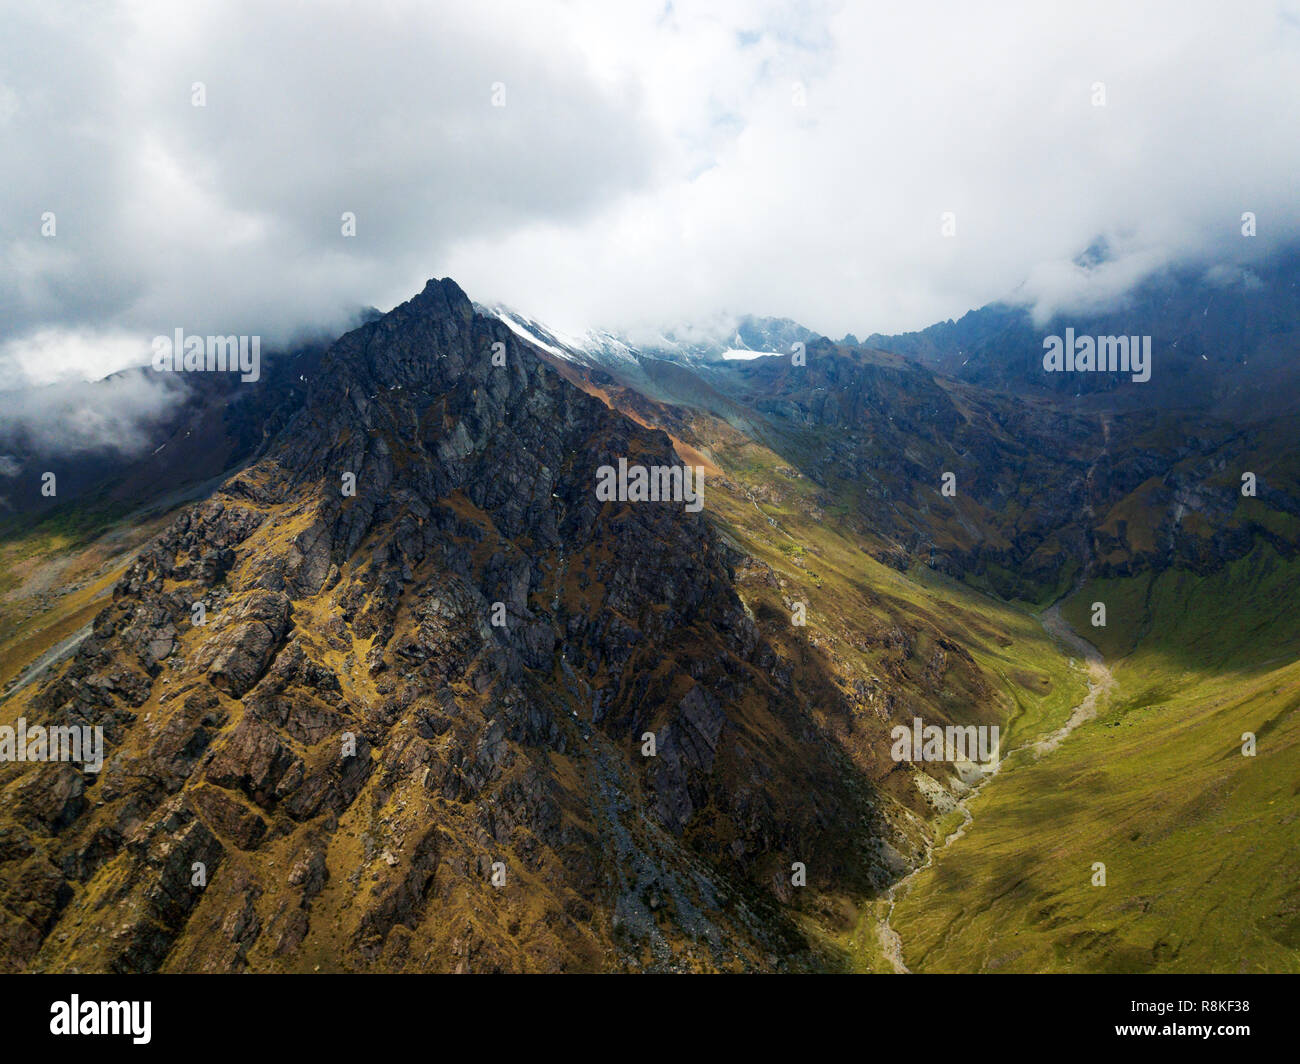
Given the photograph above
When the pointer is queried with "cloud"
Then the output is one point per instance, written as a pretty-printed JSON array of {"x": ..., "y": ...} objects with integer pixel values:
[
  {"x": 55, "y": 354},
  {"x": 227, "y": 218},
  {"x": 831, "y": 212},
  {"x": 73, "y": 417},
  {"x": 654, "y": 163}
]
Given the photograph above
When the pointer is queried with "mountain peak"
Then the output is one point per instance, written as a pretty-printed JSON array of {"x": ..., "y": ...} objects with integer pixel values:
[{"x": 444, "y": 298}]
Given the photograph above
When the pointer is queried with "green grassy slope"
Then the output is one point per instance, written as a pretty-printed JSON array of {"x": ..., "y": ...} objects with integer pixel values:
[{"x": 1201, "y": 844}]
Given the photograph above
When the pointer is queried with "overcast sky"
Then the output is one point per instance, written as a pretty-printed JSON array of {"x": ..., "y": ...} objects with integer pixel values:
[{"x": 653, "y": 163}]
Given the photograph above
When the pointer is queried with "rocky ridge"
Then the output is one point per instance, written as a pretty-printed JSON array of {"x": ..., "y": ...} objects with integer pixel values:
[{"x": 333, "y": 767}]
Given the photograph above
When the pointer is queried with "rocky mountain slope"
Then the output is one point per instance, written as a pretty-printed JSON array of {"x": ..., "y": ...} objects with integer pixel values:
[{"x": 352, "y": 750}]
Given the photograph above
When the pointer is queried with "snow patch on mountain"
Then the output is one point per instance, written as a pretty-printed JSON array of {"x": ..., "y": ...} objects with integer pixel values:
[
  {"x": 738, "y": 354},
  {"x": 727, "y": 339},
  {"x": 591, "y": 347}
]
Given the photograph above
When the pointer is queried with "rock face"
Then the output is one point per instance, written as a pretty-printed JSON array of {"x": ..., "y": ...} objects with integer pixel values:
[
  {"x": 1018, "y": 495},
  {"x": 687, "y": 753},
  {"x": 407, "y": 733},
  {"x": 961, "y": 480}
]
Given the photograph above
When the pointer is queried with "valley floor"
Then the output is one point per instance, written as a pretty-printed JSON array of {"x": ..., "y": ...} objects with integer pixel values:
[
  {"x": 1100, "y": 684},
  {"x": 1149, "y": 841}
]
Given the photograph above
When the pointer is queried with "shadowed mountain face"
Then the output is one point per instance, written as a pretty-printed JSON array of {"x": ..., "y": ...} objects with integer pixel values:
[
  {"x": 1038, "y": 488},
  {"x": 965, "y": 481},
  {"x": 428, "y": 658}
]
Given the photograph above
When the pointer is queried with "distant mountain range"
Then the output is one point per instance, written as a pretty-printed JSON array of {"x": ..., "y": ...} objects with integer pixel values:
[{"x": 1226, "y": 341}]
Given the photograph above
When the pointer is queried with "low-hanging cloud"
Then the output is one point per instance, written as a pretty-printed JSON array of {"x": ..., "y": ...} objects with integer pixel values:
[{"x": 74, "y": 417}]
